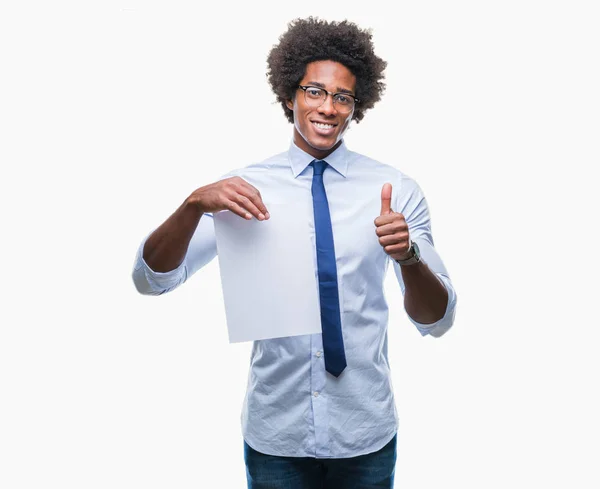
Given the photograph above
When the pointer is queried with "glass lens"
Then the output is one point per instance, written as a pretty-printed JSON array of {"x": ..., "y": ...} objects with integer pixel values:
[
  {"x": 315, "y": 97},
  {"x": 343, "y": 101}
]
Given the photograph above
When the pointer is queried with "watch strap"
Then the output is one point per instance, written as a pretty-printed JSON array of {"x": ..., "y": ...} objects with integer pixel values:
[{"x": 414, "y": 258}]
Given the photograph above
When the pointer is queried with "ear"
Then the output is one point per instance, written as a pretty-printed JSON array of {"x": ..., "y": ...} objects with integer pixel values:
[{"x": 289, "y": 104}]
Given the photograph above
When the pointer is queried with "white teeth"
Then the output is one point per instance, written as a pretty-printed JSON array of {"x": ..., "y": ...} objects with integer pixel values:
[{"x": 323, "y": 126}]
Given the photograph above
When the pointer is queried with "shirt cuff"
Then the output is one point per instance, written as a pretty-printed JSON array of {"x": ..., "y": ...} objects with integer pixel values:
[
  {"x": 442, "y": 325},
  {"x": 160, "y": 281}
]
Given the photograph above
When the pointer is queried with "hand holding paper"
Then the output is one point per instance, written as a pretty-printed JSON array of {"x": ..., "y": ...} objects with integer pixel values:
[{"x": 233, "y": 194}]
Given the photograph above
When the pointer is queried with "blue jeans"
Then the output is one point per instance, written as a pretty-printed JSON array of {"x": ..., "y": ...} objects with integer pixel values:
[{"x": 371, "y": 471}]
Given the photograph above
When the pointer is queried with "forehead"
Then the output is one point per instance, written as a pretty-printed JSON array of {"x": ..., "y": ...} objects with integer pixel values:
[{"x": 333, "y": 75}]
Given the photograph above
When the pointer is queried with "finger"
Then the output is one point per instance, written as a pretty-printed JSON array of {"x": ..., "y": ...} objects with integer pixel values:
[
  {"x": 388, "y": 218},
  {"x": 386, "y": 199},
  {"x": 391, "y": 228},
  {"x": 394, "y": 239},
  {"x": 399, "y": 249},
  {"x": 237, "y": 209},
  {"x": 248, "y": 206},
  {"x": 253, "y": 194}
]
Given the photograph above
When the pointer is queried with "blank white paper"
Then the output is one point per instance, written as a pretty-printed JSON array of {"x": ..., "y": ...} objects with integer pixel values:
[{"x": 268, "y": 274}]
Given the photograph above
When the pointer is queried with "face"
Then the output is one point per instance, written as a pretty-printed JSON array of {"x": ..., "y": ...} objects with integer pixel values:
[{"x": 319, "y": 130}]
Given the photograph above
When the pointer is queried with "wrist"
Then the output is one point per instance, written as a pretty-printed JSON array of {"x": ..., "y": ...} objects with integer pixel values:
[
  {"x": 411, "y": 257},
  {"x": 192, "y": 206}
]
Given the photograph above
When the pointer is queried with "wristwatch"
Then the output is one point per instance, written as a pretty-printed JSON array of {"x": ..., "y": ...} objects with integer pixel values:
[{"x": 414, "y": 255}]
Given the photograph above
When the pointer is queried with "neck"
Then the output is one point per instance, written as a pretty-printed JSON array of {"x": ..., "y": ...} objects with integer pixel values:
[{"x": 317, "y": 153}]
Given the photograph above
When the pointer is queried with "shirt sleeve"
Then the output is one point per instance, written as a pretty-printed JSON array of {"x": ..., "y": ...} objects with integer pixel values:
[
  {"x": 411, "y": 202},
  {"x": 201, "y": 250}
]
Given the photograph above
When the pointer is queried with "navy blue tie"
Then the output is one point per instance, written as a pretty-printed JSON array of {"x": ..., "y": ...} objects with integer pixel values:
[{"x": 331, "y": 323}]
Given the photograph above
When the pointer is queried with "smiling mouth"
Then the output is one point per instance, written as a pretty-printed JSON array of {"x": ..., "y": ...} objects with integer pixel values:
[{"x": 322, "y": 126}]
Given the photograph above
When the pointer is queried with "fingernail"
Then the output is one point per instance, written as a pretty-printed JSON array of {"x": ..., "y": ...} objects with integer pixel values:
[
  {"x": 261, "y": 216},
  {"x": 268, "y": 215}
]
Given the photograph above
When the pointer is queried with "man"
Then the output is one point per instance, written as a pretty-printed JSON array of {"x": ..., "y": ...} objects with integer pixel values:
[{"x": 319, "y": 409}]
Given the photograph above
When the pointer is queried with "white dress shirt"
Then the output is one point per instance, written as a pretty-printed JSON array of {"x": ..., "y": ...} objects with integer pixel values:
[{"x": 293, "y": 407}]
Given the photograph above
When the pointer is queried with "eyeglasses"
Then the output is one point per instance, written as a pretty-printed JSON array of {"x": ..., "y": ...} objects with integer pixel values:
[{"x": 315, "y": 97}]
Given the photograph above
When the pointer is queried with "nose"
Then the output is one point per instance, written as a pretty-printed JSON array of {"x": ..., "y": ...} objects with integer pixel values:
[{"x": 327, "y": 107}]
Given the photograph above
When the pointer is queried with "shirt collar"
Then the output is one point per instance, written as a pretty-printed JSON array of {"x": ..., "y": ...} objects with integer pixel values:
[{"x": 299, "y": 159}]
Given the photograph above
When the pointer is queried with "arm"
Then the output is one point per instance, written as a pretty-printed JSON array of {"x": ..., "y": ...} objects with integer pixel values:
[
  {"x": 186, "y": 241},
  {"x": 416, "y": 291},
  {"x": 429, "y": 297},
  {"x": 425, "y": 296},
  {"x": 166, "y": 247},
  {"x": 182, "y": 245}
]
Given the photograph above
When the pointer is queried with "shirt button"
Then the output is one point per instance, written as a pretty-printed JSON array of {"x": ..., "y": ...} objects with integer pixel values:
[
  {"x": 319, "y": 353},
  {"x": 316, "y": 394}
]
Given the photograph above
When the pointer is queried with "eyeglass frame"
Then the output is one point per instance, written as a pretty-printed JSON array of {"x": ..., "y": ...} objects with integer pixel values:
[{"x": 306, "y": 87}]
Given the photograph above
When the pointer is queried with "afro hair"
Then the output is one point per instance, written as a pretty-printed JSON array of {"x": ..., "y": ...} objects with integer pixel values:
[{"x": 313, "y": 39}]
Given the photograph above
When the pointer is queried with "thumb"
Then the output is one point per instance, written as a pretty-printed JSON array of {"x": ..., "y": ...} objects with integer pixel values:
[{"x": 386, "y": 199}]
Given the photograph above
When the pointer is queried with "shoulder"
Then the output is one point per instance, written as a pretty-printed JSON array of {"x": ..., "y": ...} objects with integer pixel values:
[
  {"x": 407, "y": 195},
  {"x": 278, "y": 160},
  {"x": 368, "y": 166}
]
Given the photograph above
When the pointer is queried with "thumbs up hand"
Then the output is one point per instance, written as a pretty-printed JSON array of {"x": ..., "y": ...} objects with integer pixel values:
[{"x": 391, "y": 227}]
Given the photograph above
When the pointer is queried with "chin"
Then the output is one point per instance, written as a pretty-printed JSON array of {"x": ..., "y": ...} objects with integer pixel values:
[
  {"x": 323, "y": 144},
  {"x": 318, "y": 142}
]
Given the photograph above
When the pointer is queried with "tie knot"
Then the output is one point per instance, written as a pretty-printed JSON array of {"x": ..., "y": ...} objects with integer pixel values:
[{"x": 319, "y": 166}]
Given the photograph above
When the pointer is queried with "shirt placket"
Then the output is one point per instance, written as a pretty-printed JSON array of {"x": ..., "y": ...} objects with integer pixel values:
[{"x": 319, "y": 397}]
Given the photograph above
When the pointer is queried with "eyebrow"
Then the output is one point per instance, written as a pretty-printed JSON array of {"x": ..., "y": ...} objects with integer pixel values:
[{"x": 321, "y": 85}]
